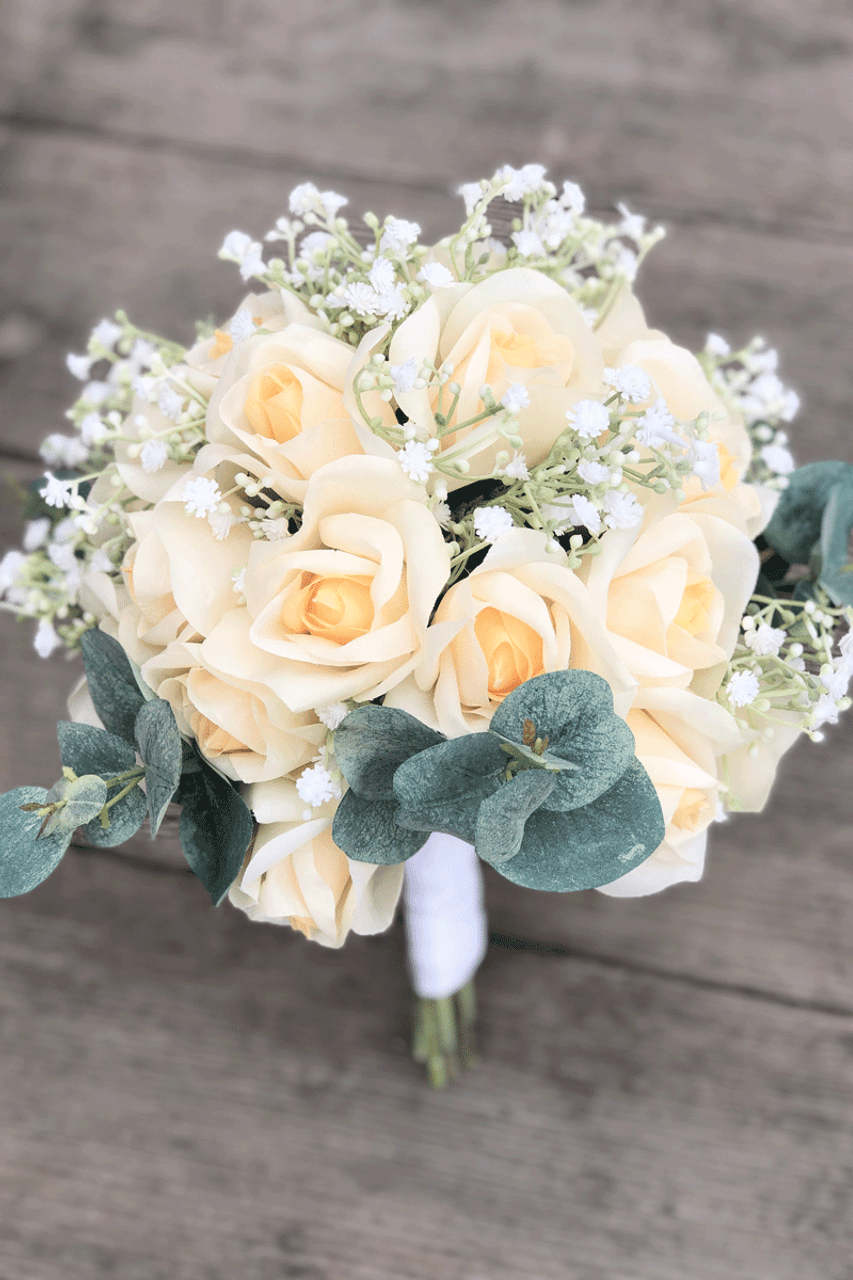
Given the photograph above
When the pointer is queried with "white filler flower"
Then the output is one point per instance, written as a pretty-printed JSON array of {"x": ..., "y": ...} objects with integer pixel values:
[
  {"x": 491, "y": 523},
  {"x": 742, "y": 688},
  {"x": 630, "y": 381},
  {"x": 416, "y": 460},
  {"x": 315, "y": 786},
  {"x": 201, "y": 497},
  {"x": 589, "y": 418}
]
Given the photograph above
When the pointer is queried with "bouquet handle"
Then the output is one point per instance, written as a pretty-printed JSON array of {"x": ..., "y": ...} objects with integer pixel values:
[{"x": 446, "y": 937}]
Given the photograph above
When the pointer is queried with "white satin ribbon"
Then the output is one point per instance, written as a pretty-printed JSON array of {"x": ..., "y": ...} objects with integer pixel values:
[{"x": 445, "y": 918}]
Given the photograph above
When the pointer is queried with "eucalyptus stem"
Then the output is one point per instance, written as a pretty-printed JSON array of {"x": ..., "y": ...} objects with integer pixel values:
[
  {"x": 443, "y": 1038},
  {"x": 105, "y": 812}
]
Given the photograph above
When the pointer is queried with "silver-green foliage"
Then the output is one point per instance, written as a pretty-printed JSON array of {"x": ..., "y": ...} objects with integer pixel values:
[
  {"x": 811, "y": 525},
  {"x": 25, "y": 857},
  {"x": 100, "y": 789},
  {"x": 551, "y": 795}
]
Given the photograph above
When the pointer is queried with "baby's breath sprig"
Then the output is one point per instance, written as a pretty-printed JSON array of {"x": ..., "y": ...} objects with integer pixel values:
[
  {"x": 791, "y": 657},
  {"x": 748, "y": 379},
  {"x": 79, "y": 525},
  {"x": 588, "y": 482},
  {"x": 356, "y": 279},
  {"x": 445, "y": 447}
]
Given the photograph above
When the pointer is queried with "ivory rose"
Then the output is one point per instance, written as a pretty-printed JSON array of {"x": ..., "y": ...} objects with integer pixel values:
[
  {"x": 517, "y": 326},
  {"x": 246, "y": 732},
  {"x": 751, "y": 768},
  {"x": 673, "y": 592},
  {"x": 296, "y": 874},
  {"x": 271, "y": 311},
  {"x": 165, "y": 595},
  {"x": 656, "y": 613},
  {"x": 200, "y": 372},
  {"x": 281, "y": 395},
  {"x": 339, "y": 610},
  {"x": 519, "y": 613}
]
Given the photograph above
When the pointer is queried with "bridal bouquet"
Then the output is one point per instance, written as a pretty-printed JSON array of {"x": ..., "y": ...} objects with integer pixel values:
[{"x": 427, "y": 556}]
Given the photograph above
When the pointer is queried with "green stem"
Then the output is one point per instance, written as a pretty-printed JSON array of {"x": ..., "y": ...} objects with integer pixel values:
[
  {"x": 134, "y": 773},
  {"x": 105, "y": 812},
  {"x": 443, "y": 1039}
]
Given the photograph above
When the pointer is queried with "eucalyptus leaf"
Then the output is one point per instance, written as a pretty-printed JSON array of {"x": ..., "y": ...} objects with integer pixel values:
[
  {"x": 371, "y": 742},
  {"x": 112, "y": 684},
  {"x": 81, "y": 800},
  {"x": 594, "y": 845},
  {"x": 500, "y": 822},
  {"x": 216, "y": 829},
  {"x": 366, "y": 830},
  {"x": 87, "y": 749},
  {"x": 161, "y": 748},
  {"x": 574, "y": 710},
  {"x": 835, "y": 576},
  {"x": 25, "y": 858},
  {"x": 796, "y": 523},
  {"x": 442, "y": 788}
]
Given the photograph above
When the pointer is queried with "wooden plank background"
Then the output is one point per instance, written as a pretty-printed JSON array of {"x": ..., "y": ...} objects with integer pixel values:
[{"x": 666, "y": 1085}]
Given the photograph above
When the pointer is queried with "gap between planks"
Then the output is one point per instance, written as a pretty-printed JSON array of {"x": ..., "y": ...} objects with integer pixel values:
[
  {"x": 244, "y": 157},
  {"x": 159, "y": 865}
]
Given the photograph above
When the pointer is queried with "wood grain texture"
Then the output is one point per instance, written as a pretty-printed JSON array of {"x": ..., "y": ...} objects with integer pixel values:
[
  {"x": 665, "y": 1088},
  {"x": 700, "y": 108},
  {"x": 234, "y": 1102}
]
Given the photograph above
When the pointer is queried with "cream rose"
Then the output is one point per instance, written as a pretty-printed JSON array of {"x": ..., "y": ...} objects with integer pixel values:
[
  {"x": 166, "y": 597},
  {"x": 271, "y": 311},
  {"x": 247, "y": 733},
  {"x": 517, "y": 326},
  {"x": 673, "y": 592},
  {"x": 340, "y": 610},
  {"x": 200, "y": 370},
  {"x": 656, "y": 613},
  {"x": 519, "y": 613},
  {"x": 281, "y": 395},
  {"x": 297, "y": 875},
  {"x": 751, "y": 768},
  {"x": 678, "y": 378}
]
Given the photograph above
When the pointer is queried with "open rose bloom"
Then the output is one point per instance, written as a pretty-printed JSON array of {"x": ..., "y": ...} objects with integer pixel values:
[{"x": 429, "y": 556}]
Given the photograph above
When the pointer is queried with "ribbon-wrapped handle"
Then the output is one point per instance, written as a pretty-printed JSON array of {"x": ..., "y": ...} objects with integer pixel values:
[{"x": 446, "y": 929}]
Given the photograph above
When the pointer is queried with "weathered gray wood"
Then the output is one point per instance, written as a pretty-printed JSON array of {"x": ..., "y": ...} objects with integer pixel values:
[
  {"x": 693, "y": 109},
  {"x": 187, "y": 1096},
  {"x": 91, "y": 225},
  {"x": 32, "y": 691}
]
